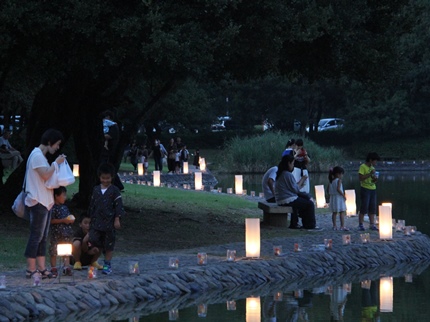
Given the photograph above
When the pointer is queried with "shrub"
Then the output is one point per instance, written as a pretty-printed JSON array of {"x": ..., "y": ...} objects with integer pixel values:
[{"x": 258, "y": 153}]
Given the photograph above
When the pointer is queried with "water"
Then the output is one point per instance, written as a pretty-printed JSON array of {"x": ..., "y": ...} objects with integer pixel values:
[{"x": 327, "y": 301}]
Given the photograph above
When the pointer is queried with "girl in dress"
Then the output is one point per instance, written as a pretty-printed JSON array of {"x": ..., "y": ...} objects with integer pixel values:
[{"x": 337, "y": 197}]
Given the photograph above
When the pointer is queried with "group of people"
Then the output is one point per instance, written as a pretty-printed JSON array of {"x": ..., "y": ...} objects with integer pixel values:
[
  {"x": 48, "y": 213},
  {"x": 174, "y": 155},
  {"x": 288, "y": 185}
]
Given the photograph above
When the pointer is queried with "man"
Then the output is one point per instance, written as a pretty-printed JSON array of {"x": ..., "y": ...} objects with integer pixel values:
[
  {"x": 7, "y": 152},
  {"x": 268, "y": 184},
  {"x": 111, "y": 136}
]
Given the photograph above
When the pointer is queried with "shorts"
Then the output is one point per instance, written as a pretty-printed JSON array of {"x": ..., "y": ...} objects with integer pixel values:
[{"x": 105, "y": 240}]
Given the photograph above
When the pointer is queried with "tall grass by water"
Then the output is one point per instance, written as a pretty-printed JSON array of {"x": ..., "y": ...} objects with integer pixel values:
[{"x": 258, "y": 153}]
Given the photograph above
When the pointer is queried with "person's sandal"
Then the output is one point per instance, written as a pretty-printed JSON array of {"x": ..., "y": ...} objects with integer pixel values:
[
  {"x": 46, "y": 274},
  {"x": 29, "y": 274},
  {"x": 54, "y": 272}
]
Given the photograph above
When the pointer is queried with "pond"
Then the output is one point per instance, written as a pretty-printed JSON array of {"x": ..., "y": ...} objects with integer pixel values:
[{"x": 357, "y": 298}]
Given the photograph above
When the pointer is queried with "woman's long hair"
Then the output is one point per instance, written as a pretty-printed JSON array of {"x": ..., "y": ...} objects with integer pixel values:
[{"x": 284, "y": 164}]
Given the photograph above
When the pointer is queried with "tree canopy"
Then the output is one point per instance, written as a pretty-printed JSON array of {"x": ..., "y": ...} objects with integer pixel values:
[{"x": 63, "y": 62}]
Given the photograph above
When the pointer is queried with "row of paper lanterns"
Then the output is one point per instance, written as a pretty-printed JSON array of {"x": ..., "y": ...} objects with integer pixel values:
[{"x": 140, "y": 168}]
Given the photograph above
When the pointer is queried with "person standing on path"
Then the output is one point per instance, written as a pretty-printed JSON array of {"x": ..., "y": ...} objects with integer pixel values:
[
  {"x": 39, "y": 201},
  {"x": 368, "y": 178}
]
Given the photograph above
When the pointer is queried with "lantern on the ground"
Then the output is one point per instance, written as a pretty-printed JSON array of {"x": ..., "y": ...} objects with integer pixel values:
[
  {"x": 385, "y": 223},
  {"x": 140, "y": 169},
  {"x": 202, "y": 164},
  {"x": 185, "y": 167},
  {"x": 238, "y": 184},
  {"x": 76, "y": 170},
  {"x": 252, "y": 237},
  {"x": 320, "y": 197},
  {"x": 198, "y": 180},
  {"x": 156, "y": 178},
  {"x": 351, "y": 207}
]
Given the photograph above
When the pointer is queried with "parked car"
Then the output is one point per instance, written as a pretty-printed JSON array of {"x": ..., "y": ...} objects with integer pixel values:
[{"x": 330, "y": 124}]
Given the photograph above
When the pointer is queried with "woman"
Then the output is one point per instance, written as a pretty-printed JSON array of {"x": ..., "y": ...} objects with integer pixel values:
[
  {"x": 39, "y": 201},
  {"x": 287, "y": 193}
]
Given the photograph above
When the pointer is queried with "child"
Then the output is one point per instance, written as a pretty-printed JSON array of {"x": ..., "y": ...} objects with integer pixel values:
[
  {"x": 83, "y": 253},
  {"x": 337, "y": 197},
  {"x": 61, "y": 229},
  {"x": 105, "y": 211}
]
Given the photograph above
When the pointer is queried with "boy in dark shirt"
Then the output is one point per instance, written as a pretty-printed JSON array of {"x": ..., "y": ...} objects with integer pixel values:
[
  {"x": 83, "y": 253},
  {"x": 105, "y": 211}
]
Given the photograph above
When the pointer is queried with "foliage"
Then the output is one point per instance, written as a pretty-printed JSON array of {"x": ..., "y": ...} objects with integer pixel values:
[{"x": 256, "y": 154}]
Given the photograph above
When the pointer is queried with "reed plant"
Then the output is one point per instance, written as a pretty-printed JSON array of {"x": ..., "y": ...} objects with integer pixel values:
[{"x": 258, "y": 153}]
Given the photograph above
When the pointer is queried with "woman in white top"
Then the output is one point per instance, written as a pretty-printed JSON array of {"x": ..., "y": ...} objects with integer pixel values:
[{"x": 39, "y": 201}]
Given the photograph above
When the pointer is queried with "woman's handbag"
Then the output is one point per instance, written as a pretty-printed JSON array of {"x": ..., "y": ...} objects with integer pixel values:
[
  {"x": 65, "y": 175},
  {"x": 18, "y": 206}
]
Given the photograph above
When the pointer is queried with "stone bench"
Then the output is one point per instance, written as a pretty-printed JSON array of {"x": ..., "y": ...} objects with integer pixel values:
[{"x": 275, "y": 215}]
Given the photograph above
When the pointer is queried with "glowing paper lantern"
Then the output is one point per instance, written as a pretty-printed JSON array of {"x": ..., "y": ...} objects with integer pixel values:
[
  {"x": 140, "y": 169},
  {"x": 253, "y": 309},
  {"x": 351, "y": 207},
  {"x": 386, "y": 294},
  {"x": 198, "y": 180},
  {"x": 238, "y": 184},
  {"x": 202, "y": 164},
  {"x": 252, "y": 237},
  {"x": 76, "y": 170},
  {"x": 319, "y": 193},
  {"x": 185, "y": 167},
  {"x": 64, "y": 250},
  {"x": 385, "y": 223},
  {"x": 156, "y": 178}
]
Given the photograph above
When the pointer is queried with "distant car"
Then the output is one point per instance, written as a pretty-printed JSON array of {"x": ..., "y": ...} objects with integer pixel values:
[{"x": 330, "y": 124}]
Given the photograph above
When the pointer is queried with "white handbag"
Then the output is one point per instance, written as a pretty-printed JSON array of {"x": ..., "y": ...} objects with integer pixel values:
[
  {"x": 65, "y": 174},
  {"x": 52, "y": 182}
]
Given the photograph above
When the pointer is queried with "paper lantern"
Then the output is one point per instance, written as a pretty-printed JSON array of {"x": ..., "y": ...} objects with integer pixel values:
[
  {"x": 386, "y": 294},
  {"x": 156, "y": 178},
  {"x": 185, "y": 167},
  {"x": 76, "y": 170},
  {"x": 385, "y": 223},
  {"x": 253, "y": 309},
  {"x": 351, "y": 207},
  {"x": 64, "y": 249},
  {"x": 238, "y": 184},
  {"x": 320, "y": 196},
  {"x": 198, "y": 180},
  {"x": 140, "y": 169},
  {"x": 252, "y": 237},
  {"x": 202, "y": 164}
]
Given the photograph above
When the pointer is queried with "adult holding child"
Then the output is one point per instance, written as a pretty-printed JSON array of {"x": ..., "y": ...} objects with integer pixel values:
[
  {"x": 39, "y": 200},
  {"x": 287, "y": 193}
]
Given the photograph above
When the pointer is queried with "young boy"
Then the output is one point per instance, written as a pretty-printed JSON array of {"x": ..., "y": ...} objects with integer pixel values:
[
  {"x": 105, "y": 211},
  {"x": 83, "y": 253},
  {"x": 61, "y": 229}
]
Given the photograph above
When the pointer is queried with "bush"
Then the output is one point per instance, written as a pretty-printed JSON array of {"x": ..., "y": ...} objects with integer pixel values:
[{"x": 258, "y": 153}]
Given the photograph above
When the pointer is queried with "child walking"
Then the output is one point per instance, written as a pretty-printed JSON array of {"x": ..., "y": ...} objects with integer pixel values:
[
  {"x": 105, "y": 211},
  {"x": 61, "y": 229},
  {"x": 337, "y": 197}
]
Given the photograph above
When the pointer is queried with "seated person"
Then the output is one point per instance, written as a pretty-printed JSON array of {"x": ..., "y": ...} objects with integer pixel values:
[
  {"x": 268, "y": 184},
  {"x": 287, "y": 193},
  {"x": 83, "y": 253},
  {"x": 7, "y": 152}
]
